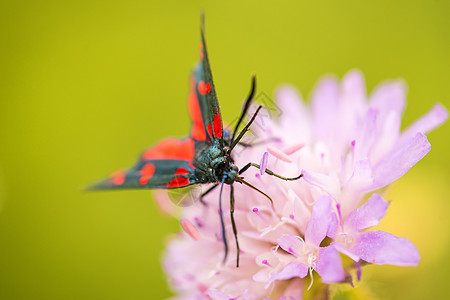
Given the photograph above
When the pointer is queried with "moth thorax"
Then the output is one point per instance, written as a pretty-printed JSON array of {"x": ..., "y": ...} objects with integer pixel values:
[
  {"x": 217, "y": 162},
  {"x": 215, "y": 152}
]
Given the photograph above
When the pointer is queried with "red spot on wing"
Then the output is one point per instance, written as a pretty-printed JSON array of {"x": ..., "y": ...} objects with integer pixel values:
[
  {"x": 217, "y": 126},
  {"x": 197, "y": 130},
  {"x": 200, "y": 46},
  {"x": 171, "y": 149},
  {"x": 118, "y": 177},
  {"x": 179, "y": 181},
  {"x": 147, "y": 172},
  {"x": 204, "y": 88}
]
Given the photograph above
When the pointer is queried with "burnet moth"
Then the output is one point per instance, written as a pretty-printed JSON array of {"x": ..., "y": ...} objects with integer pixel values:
[{"x": 205, "y": 156}]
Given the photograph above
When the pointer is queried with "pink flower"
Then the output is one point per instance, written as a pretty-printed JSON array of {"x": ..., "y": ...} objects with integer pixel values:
[
  {"x": 309, "y": 255},
  {"x": 347, "y": 146},
  {"x": 377, "y": 247}
]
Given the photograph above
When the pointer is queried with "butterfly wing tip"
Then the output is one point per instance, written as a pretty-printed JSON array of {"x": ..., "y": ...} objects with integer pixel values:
[{"x": 103, "y": 185}]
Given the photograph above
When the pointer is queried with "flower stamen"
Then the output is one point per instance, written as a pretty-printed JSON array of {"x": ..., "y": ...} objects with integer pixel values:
[
  {"x": 338, "y": 207},
  {"x": 265, "y": 262},
  {"x": 190, "y": 229},
  {"x": 256, "y": 211}
]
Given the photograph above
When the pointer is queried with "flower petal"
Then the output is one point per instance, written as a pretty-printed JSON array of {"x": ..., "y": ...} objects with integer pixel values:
[
  {"x": 352, "y": 100},
  {"x": 394, "y": 165},
  {"x": 294, "y": 291},
  {"x": 292, "y": 269},
  {"x": 362, "y": 176},
  {"x": 291, "y": 244},
  {"x": 327, "y": 183},
  {"x": 333, "y": 226},
  {"x": 318, "y": 224},
  {"x": 432, "y": 119},
  {"x": 368, "y": 214},
  {"x": 379, "y": 247},
  {"x": 329, "y": 265},
  {"x": 215, "y": 294},
  {"x": 389, "y": 96},
  {"x": 290, "y": 104},
  {"x": 346, "y": 251},
  {"x": 325, "y": 103},
  {"x": 366, "y": 134},
  {"x": 353, "y": 87},
  {"x": 294, "y": 111}
]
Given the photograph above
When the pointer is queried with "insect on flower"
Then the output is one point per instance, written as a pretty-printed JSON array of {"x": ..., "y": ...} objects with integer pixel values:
[{"x": 203, "y": 157}]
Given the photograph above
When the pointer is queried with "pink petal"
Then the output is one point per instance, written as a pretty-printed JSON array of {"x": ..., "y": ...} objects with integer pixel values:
[
  {"x": 326, "y": 183},
  {"x": 164, "y": 202},
  {"x": 290, "y": 103},
  {"x": 293, "y": 111},
  {"x": 389, "y": 97},
  {"x": 368, "y": 214},
  {"x": 262, "y": 275},
  {"x": 294, "y": 291},
  {"x": 293, "y": 269},
  {"x": 346, "y": 251},
  {"x": 354, "y": 87},
  {"x": 324, "y": 106},
  {"x": 388, "y": 132},
  {"x": 379, "y": 247},
  {"x": 333, "y": 226},
  {"x": 318, "y": 224},
  {"x": 217, "y": 295},
  {"x": 291, "y": 244},
  {"x": 329, "y": 265},
  {"x": 432, "y": 119},
  {"x": 362, "y": 177},
  {"x": 366, "y": 134},
  {"x": 394, "y": 165}
]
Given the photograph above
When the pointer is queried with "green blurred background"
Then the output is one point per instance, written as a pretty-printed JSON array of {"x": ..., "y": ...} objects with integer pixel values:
[{"x": 86, "y": 85}]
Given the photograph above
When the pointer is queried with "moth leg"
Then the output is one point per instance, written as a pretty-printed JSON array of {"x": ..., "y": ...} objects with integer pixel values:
[
  {"x": 206, "y": 193},
  {"x": 247, "y": 166},
  {"x": 224, "y": 236},
  {"x": 234, "y": 224}
]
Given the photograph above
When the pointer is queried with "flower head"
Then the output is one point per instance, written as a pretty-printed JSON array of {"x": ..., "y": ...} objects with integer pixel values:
[{"x": 346, "y": 145}]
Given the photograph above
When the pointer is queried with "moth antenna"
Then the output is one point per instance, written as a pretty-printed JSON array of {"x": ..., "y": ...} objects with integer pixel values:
[
  {"x": 245, "y": 129},
  {"x": 245, "y": 107}
]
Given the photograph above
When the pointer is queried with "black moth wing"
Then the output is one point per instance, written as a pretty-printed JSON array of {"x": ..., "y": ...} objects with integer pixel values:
[
  {"x": 203, "y": 105},
  {"x": 166, "y": 165}
]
